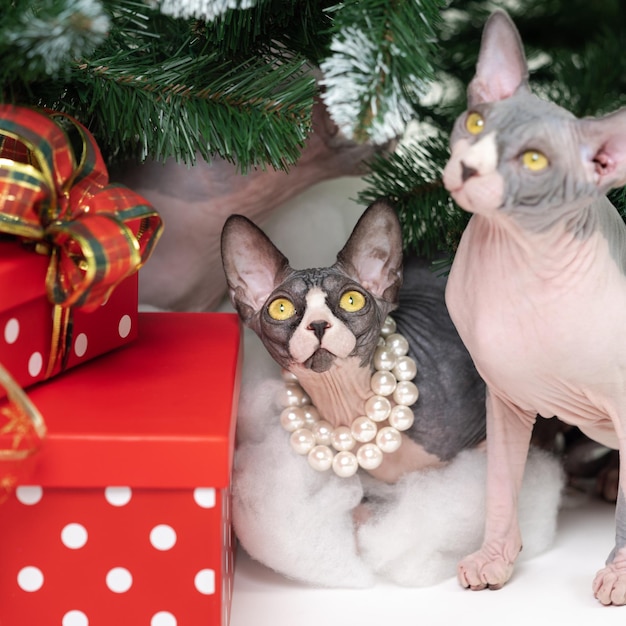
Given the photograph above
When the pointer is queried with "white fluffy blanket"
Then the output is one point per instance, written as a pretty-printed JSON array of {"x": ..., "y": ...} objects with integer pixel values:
[{"x": 300, "y": 522}]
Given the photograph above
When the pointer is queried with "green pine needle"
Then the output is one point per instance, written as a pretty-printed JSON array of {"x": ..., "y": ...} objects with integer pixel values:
[
  {"x": 44, "y": 38},
  {"x": 188, "y": 104}
]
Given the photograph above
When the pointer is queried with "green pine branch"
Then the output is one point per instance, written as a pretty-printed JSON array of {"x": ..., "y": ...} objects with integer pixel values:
[
  {"x": 40, "y": 40},
  {"x": 159, "y": 87},
  {"x": 188, "y": 104},
  {"x": 411, "y": 179},
  {"x": 300, "y": 26},
  {"x": 379, "y": 65}
]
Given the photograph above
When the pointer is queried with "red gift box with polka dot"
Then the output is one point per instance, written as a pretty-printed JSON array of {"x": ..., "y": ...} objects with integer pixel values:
[
  {"x": 26, "y": 321},
  {"x": 125, "y": 516}
]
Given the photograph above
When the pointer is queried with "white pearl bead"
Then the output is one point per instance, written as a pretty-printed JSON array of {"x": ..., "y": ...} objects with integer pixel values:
[
  {"x": 288, "y": 377},
  {"x": 405, "y": 368},
  {"x": 302, "y": 440},
  {"x": 389, "y": 327},
  {"x": 321, "y": 458},
  {"x": 292, "y": 418},
  {"x": 406, "y": 393},
  {"x": 377, "y": 408},
  {"x": 401, "y": 417},
  {"x": 398, "y": 344},
  {"x": 293, "y": 395},
  {"x": 323, "y": 432},
  {"x": 369, "y": 456},
  {"x": 311, "y": 415},
  {"x": 383, "y": 383},
  {"x": 341, "y": 438},
  {"x": 363, "y": 429},
  {"x": 384, "y": 358},
  {"x": 388, "y": 439},
  {"x": 345, "y": 464}
]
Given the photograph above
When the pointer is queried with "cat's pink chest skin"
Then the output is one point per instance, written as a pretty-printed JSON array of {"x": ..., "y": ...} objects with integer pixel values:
[{"x": 541, "y": 315}]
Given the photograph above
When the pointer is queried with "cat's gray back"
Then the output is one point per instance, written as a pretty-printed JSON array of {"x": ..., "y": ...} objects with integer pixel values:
[{"x": 450, "y": 411}]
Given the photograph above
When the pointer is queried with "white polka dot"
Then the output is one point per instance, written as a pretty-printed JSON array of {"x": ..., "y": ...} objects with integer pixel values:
[
  {"x": 35, "y": 364},
  {"x": 124, "y": 326},
  {"x": 204, "y": 497},
  {"x": 74, "y": 536},
  {"x": 205, "y": 581},
  {"x": 30, "y": 578},
  {"x": 29, "y": 494},
  {"x": 119, "y": 580},
  {"x": 163, "y": 618},
  {"x": 163, "y": 537},
  {"x": 80, "y": 345},
  {"x": 11, "y": 330},
  {"x": 75, "y": 618},
  {"x": 118, "y": 496}
]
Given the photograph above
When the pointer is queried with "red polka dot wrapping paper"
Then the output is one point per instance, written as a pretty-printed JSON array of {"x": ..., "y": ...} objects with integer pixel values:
[
  {"x": 26, "y": 320},
  {"x": 125, "y": 518}
]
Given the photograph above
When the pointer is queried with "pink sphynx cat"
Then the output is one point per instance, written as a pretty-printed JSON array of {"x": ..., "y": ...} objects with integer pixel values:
[{"x": 537, "y": 289}]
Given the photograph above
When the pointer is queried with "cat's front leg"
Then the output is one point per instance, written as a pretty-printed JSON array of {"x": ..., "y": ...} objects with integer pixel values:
[
  {"x": 508, "y": 439},
  {"x": 609, "y": 585}
]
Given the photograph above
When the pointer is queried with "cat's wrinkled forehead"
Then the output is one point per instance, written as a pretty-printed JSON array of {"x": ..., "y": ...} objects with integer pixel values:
[
  {"x": 302, "y": 281},
  {"x": 524, "y": 116}
]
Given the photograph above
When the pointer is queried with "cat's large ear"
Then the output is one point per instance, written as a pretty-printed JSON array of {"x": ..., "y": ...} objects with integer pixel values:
[
  {"x": 603, "y": 148},
  {"x": 252, "y": 264},
  {"x": 373, "y": 254},
  {"x": 501, "y": 69}
]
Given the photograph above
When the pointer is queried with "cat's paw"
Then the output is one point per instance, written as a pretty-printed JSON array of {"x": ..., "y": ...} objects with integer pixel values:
[
  {"x": 609, "y": 585},
  {"x": 484, "y": 569}
]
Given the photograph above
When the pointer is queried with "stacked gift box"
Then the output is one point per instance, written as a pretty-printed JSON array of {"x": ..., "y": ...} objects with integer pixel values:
[
  {"x": 125, "y": 517},
  {"x": 115, "y": 464}
]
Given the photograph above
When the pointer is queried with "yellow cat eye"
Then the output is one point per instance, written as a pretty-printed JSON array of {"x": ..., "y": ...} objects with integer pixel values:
[
  {"x": 534, "y": 160},
  {"x": 352, "y": 301},
  {"x": 475, "y": 123},
  {"x": 281, "y": 309}
]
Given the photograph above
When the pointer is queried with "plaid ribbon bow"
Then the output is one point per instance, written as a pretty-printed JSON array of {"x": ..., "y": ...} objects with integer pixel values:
[{"x": 97, "y": 234}]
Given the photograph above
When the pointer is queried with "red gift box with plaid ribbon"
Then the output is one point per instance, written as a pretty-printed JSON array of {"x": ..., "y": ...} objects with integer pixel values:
[
  {"x": 125, "y": 516},
  {"x": 70, "y": 246}
]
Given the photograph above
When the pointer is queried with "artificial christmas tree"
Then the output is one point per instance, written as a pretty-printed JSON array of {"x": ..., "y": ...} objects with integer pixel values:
[
  {"x": 237, "y": 79},
  {"x": 124, "y": 514}
]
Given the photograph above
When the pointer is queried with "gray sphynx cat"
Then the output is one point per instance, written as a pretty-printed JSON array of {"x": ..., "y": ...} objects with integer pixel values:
[{"x": 537, "y": 289}]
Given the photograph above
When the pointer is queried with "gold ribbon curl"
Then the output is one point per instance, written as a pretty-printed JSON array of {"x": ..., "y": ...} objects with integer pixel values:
[{"x": 24, "y": 426}]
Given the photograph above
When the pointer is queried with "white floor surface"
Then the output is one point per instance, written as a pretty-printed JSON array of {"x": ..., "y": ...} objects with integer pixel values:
[{"x": 553, "y": 588}]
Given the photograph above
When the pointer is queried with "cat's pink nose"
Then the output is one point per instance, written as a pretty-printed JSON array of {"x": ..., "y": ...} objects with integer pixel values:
[{"x": 319, "y": 328}]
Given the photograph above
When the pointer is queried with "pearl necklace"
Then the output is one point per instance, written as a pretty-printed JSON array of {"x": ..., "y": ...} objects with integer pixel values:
[{"x": 387, "y": 413}]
